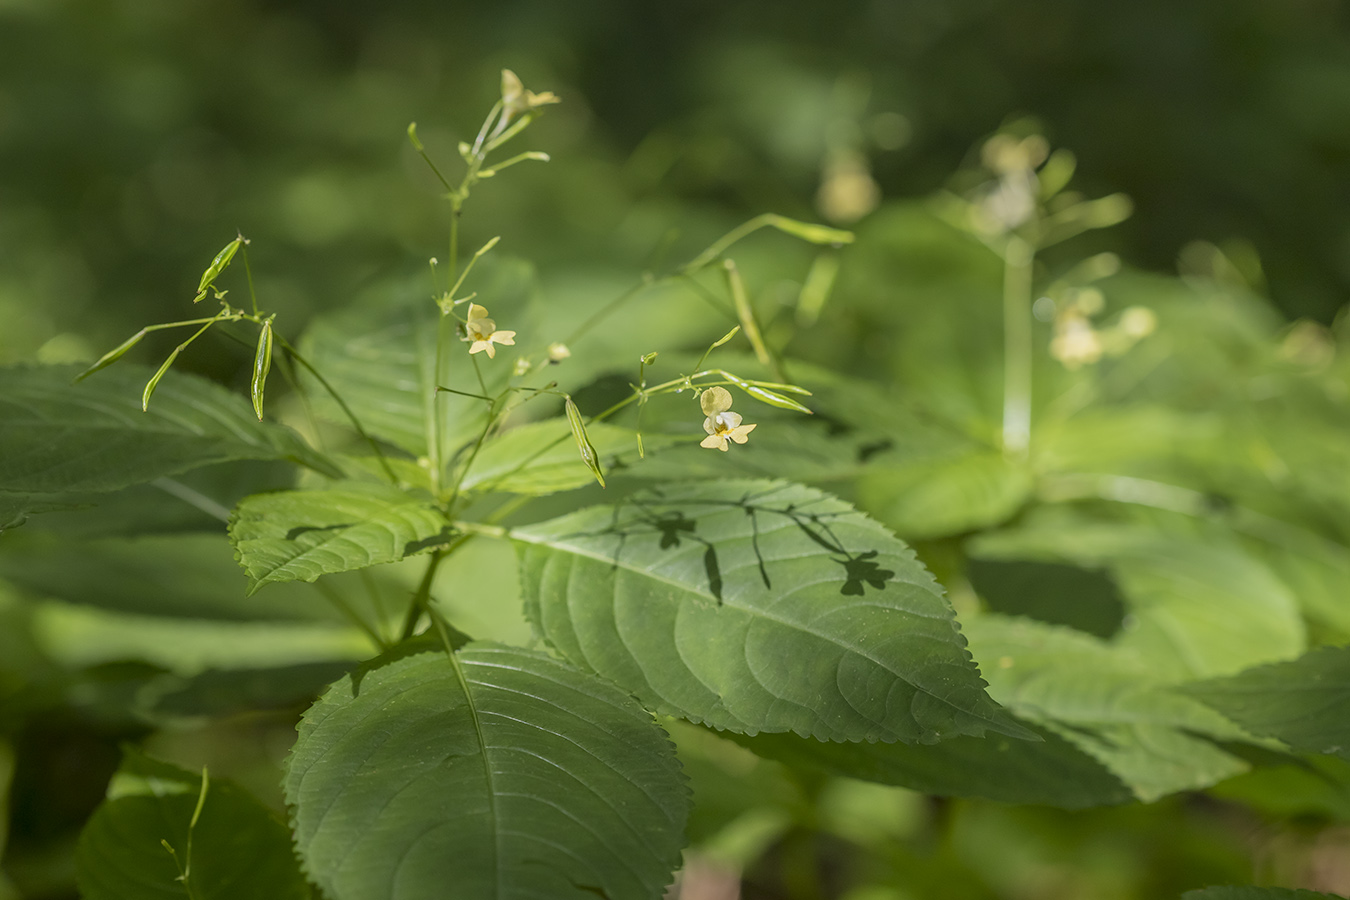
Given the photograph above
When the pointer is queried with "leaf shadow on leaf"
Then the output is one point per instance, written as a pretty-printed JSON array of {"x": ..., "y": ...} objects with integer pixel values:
[
  {"x": 440, "y": 539},
  {"x": 674, "y": 526},
  {"x": 306, "y": 529}
]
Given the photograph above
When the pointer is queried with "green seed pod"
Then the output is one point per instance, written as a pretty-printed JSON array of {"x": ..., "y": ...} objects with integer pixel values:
[
  {"x": 112, "y": 355},
  {"x": 588, "y": 454},
  {"x": 764, "y": 395},
  {"x": 154, "y": 379},
  {"x": 217, "y": 266},
  {"x": 262, "y": 364}
]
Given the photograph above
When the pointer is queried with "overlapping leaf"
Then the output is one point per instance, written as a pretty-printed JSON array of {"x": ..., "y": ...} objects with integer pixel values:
[
  {"x": 188, "y": 576},
  {"x": 497, "y": 772},
  {"x": 1200, "y": 605},
  {"x": 300, "y": 535},
  {"x": 1304, "y": 702},
  {"x": 59, "y": 436},
  {"x": 237, "y": 847},
  {"x": 925, "y": 498},
  {"x": 757, "y": 606},
  {"x": 1051, "y": 772},
  {"x": 1108, "y": 701}
]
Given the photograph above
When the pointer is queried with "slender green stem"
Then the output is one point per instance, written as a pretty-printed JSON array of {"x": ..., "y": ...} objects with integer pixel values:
[
  {"x": 1017, "y": 350},
  {"x": 347, "y": 410},
  {"x": 342, "y": 606},
  {"x": 248, "y": 271},
  {"x": 421, "y": 600}
]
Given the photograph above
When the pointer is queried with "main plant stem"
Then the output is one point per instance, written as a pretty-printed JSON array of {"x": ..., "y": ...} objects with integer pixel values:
[{"x": 1017, "y": 259}]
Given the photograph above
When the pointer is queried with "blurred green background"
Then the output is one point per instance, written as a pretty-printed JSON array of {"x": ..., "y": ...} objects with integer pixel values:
[{"x": 136, "y": 137}]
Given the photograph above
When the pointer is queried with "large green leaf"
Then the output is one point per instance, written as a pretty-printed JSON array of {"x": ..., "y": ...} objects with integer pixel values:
[
  {"x": 199, "y": 501},
  {"x": 1107, "y": 701},
  {"x": 190, "y": 576},
  {"x": 1199, "y": 604},
  {"x": 497, "y": 772},
  {"x": 92, "y": 436},
  {"x": 300, "y": 535},
  {"x": 238, "y": 848},
  {"x": 757, "y": 606},
  {"x": 926, "y": 498},
  {"x": 1051, "y": 772},
  {"x": 1304, "y": 702}
]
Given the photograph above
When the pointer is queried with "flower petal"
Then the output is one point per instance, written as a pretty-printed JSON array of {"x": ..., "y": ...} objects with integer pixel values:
[
  {"x": 709, "y": 425},
  {"x": 729, "y": 420},
  {"x": 714, "y": 440},
  {"x": 715, "y": 400},
  {"x": 742, "y": 434},
  {"x": 477, "y": 312},
  {"x": 504, "y": 337}
]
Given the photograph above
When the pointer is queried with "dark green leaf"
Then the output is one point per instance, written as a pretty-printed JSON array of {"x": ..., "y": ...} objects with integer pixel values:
[
  {"x": 93, "y": 436},
  {"x": 499, "y": 773},
  {"x": 300, "y": 535},
  {"x": 239, "y": 849},
  {"x": 190, "y": 576},
  {"x": 1304, "y": 702},
  {"x": 1106, "y": 700},
  {"x": 1052, "y": 772},
  {"x": 757, "y": 606}
]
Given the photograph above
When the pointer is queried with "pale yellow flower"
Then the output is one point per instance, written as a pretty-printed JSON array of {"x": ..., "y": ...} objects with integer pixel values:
[
  {"x": 516, "y": 99},
  {"x": 1075, "y": 342},
  {"x": 483, "y": 332},
  {"x": 722, "y": 424}
]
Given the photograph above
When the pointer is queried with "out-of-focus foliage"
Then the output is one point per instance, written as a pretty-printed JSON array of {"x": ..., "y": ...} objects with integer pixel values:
[{"x": 1143, "y": 582}]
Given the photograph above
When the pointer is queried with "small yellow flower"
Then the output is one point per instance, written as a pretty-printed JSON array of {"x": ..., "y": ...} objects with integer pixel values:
[
  {"x": 516, "y": 99},
  {"x": 483, "y": 332},
  {"x": 722, "y": 424}
]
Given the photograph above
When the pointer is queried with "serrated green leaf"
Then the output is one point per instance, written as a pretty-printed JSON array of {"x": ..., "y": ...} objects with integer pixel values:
[
  {"x": 300, "y": 535},
  {"x": 1107, "y": 701},
  {"x": 499, "y": 773},
  {"x": 757, "y": 606},
  {"x": 239, "y": 849},
  {"x": 1304, "y": 702},
  {"x": 59, "y": 436},
  {"x": 1052, "y": 772},
  {"x": 927, "y": 498}
]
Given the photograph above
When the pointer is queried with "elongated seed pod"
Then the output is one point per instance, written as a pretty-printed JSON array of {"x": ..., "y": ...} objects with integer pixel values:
[
  {"x": 588, "y": 454},
  {"x": 262, "y": 364}
]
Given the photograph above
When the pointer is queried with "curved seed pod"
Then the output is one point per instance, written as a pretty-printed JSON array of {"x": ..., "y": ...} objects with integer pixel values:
[
  {"x": 113, "y": 355},
  {"x": 154, "y": 379},
  {"x": 588, "y": 454},
  {"x": 764, "y": 395},
  {"x": 217, "y": 266},
  {"x": 262, "y": 364}
]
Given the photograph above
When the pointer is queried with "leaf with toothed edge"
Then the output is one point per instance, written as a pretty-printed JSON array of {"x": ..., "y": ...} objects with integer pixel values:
[
  {"x": 498, "y": 772},
  {"x": 757, "y": 606},
  {"x": 300, "y": 535}
]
